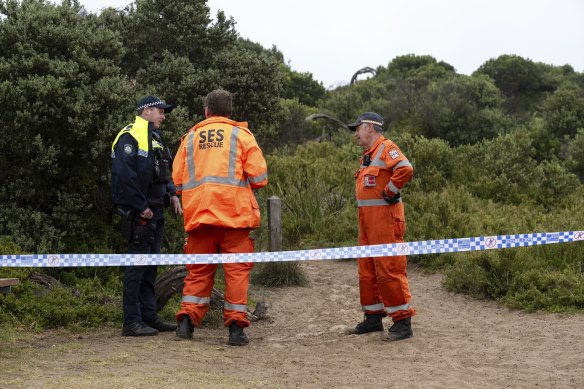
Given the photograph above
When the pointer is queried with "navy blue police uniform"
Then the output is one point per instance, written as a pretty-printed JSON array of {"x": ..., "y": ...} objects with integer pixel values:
[{"x": 141, "y": 179}]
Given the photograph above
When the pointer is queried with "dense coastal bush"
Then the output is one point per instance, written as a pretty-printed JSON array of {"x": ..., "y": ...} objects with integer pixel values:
[{"x": 496, "y": 152}]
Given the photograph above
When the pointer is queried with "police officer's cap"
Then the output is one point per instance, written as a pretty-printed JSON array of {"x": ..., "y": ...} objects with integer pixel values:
[
  {"x": 153, "y": 101},
  {"x": 367, "y": 117}
]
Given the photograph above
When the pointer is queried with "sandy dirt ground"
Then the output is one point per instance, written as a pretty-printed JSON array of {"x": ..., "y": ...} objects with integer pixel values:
[{"x": 458, "y": 343}]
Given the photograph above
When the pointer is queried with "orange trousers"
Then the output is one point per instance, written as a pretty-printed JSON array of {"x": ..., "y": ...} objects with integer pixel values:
[
  {"x": 383, "y": 281},
  {"x": 207, "y": 239}
]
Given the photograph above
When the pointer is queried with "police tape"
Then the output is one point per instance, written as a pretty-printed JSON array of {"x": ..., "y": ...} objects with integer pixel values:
[{"x": 353, "y": 252}]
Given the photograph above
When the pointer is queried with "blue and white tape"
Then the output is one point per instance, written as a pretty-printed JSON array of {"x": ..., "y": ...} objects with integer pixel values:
[{"x": 381, "y": 250}]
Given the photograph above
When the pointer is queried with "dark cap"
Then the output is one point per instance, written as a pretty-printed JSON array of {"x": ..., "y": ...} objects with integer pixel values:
[
  {"x": 153, "y": 101},
  {"x": 367, "y": 117}
]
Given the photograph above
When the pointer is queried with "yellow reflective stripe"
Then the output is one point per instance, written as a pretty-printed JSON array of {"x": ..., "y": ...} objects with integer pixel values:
[
  {"x": 124, "y": 130},
  {"x": 139, "y": 131},
  {"x": 156, "y": 144}
]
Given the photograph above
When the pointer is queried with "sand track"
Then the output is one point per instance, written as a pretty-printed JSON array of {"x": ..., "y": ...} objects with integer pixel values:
[{"x": 458, "y": 342}]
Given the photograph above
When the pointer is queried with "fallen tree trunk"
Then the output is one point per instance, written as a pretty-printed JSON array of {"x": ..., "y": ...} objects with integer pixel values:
[
  {"x": 172, "y": 281},
  {"x": 169, "y": 283},
  {"x": 50, "y": 282}
]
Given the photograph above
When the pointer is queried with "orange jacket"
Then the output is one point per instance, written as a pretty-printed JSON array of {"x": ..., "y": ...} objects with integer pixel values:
[
  {"x": 216, "y": 167},
  {"x": 389, "y": 170}
]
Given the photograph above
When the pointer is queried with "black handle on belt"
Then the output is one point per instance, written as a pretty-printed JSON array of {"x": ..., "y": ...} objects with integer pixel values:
[{"x": 392, "y": 200}]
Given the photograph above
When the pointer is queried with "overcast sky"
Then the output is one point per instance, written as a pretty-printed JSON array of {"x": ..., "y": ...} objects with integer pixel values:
[{"x": 334, "y": 38}]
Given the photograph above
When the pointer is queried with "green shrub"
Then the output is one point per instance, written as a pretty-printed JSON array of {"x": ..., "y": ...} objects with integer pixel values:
[
  {"x": 316, "y": 186},
  {"x": 546, "y": 277},
  {"x": 8, "y": 246},
  {"x": 552, "y": 290},
  {"x": 88, "y": 305},
  {"x": 575, "y": 154},
  {"x": 433, "y": 161},
  {"x": 279, "y": 274}
]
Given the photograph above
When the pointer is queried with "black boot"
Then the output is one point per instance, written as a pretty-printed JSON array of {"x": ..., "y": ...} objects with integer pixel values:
[
  {"x": 371, "y": 323},
  {"x": 401, "y": 329},
  {"x": 236, "y": 335},
  {"x": 162, "y": 325},
  {"x": 138, "y": 328},
  {"x": 184, "y": 328}
]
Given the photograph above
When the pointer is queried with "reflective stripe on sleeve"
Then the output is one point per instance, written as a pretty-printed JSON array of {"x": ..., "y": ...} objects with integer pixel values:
[
  {"x": 235, "y": 307},
  {"x": 398, "y": 308},
  {"x": 196, "y": 300},
  {"x": 401, "y": 164},
  {"x": 259, "y": 178},
  {"x": 392, "y": 187},
  {"x": 374, "y": 307}
]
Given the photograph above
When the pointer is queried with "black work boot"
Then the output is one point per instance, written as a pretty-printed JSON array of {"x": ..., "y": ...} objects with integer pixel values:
[
  {"x": 162, "y": 326},
  {"x": 138, "y": 328},
  {"x": 371, "y": 323},
  {"x": 236, "y": 335},
  {"x": 400, "y": 330},
  {"x": 184, "y": 329}
]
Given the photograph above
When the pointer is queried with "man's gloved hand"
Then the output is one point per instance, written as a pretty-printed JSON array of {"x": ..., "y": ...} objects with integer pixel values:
[{"x": 391, "y": 199}]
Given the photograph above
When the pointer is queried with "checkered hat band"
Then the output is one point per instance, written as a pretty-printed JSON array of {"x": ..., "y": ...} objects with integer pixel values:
[{"x": 149, "y": 105}]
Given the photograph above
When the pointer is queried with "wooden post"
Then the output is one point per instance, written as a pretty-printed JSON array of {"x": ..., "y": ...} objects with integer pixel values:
[{"x": 275, "y": 223}]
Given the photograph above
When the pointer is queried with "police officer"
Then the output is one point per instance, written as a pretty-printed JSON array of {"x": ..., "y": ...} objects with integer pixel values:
[
  {"x": 141, "y": 181},
  {"x": 383, "y": 281}
]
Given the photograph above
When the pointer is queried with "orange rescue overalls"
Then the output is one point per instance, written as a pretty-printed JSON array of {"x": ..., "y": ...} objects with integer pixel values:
[
  {"x": 383, "y": 282},
  {"x": 217, "y": 165}
]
